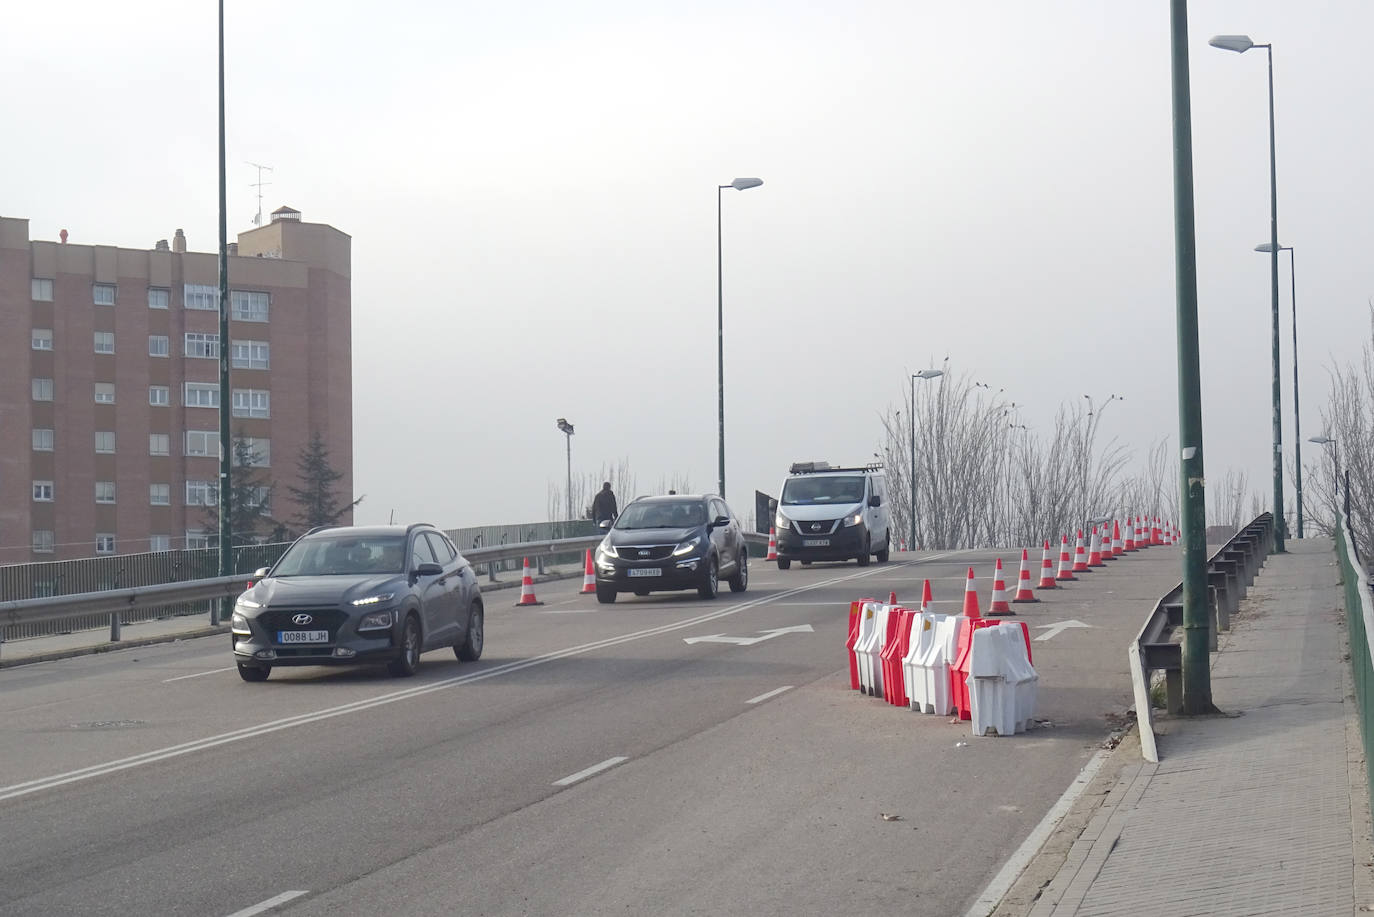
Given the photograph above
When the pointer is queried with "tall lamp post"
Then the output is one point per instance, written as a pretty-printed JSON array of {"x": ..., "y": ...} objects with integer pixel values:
[
  {"x": 1240, "y": 44},
  {"x": 911, "y": 416},
  {"x": 567, "y": 429},
  {"x": 226, "y": 451},
  {"x": 739, "y": 184},
  {"x": 1297, "y": 425}
]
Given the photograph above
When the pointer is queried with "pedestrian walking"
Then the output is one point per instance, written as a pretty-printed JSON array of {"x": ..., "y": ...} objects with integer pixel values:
[{"x": 603, "y": 507}]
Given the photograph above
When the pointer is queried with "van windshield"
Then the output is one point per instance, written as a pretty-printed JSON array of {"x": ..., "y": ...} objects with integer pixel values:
[{"x": 808, "y": 491}]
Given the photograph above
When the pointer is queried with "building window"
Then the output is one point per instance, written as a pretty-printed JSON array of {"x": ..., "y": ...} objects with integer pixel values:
[
  {"x": 202, "y": 442},
  {"x": 42, "y": 491},
  {"x": 42, "y": 339},
  {"x": 159, "y": 542},
  {"x": 42, "y": 440},
  {"x": 159, "y": 443},
  {"x": 201, "y": 493},
  {"x": 248, "y": 307},
  {"x": 261, "y": 498},
  {"x": 201, "y": 296},
  {"x": 41, "y": 290},
  {"x": 159, "y": 396},
  {"x": 104, "y": 441},
  {"x": 250, "y": 402},
  {"x": 158, "y": 297},
  {"x": 103, "y": 294},
  {"x": 201, "y": 395},
  {"x": 104, "y": 492},
  {"x": 251, "y": 355},
  {"x": 42, "y": 390},
  {"x": 202, "y": 345},
  {"x": 160, "y": 494},
  {"x": 195, "y": 538},
  {"x": 104, "y": 393},
  {"x": 104, "y": 544},
  {"x": 104, "y": 342},
  {"x": 43, "y": 541},
  {"x": 257, "y": 450},
  {"x": 158, "y": 345}
]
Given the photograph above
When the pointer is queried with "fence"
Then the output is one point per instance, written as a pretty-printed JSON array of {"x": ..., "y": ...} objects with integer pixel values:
[{"x": 1359, "y": 615}]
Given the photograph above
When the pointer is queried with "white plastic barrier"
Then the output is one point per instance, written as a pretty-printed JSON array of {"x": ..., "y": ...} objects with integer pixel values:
[
  {"x": 922, "y": 632},
  {"x": 930, "y": 675},
  {"x": 1002, "y": 683},
  {"x": 873, "y": 630}
]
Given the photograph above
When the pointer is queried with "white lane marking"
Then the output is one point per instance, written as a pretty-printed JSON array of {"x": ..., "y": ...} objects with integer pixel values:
[
  {"x": 774, "y": 693},
  {"x": 809, "y": 604},
  {"x": 750, "y": 641},
  {"x": 1011, "y": 871},
  {"x": 268, "y": 904},
  {"x": 1052, "y": 630},
  {"x": 197, "y": 675},
  {"x": 175, "y": 751},
  {"x": 571, "y": 611},
  {"x": 594, "y": 769}
]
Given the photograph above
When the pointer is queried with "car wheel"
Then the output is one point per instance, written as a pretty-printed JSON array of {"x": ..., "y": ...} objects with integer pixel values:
[
  {"x": 866, "y": 557},
  {"x": 470, "y": 650},
  {"x": 784, "y": 564},
  {"x": 886, "y": 551},
  {"x": 408, "y": 660},
  {"x": 710, "y": 581},
  {"x": 605, "y": 594},
  {"x": 740, "y": 581},
  {"x": 254, "y": 672}
]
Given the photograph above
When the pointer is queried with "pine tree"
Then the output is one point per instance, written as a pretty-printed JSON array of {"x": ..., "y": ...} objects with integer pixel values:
[
  {"x": 250, "y": 495},
  {"x": 316, "y": 501}
]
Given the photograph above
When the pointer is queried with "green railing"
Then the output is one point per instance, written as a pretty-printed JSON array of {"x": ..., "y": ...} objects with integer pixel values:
[{"x": 1359, "y": 616}]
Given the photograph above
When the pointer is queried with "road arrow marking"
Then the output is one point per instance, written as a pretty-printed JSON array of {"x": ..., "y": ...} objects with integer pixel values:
[
  {"x": 750, "y": 641},
  {"x": 1053, "y": 629}
]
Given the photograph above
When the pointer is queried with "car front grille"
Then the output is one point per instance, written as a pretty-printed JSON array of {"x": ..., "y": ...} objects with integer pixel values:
[
  {"x": 278, "y": 619},
  {"x": 645, "y": 551},
  {"x": 817, "y": 527}
]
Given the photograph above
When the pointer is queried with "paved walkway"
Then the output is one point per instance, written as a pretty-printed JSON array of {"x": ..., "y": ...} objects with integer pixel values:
[{"x": 1261, "y": 810}]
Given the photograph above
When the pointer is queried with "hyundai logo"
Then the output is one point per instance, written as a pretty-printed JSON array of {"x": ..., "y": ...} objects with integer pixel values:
[{"x": 301, "y": 620}]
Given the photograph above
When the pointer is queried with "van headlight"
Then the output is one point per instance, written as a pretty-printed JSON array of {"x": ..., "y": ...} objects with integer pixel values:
[
  {"x": 853, "y": 520},
  {"x": 782, "y": 523}
]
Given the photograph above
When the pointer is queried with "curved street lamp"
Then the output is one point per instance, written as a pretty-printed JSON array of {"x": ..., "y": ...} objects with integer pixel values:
[
  {"x": 567, "y": 429},
  {"x": 739, "y": 184}
]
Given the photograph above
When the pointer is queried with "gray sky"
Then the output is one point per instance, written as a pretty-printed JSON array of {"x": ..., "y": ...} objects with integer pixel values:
[{"x": 529, "y": 189}]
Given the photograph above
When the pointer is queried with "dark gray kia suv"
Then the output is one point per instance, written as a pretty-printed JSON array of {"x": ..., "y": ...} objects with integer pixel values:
[
  {"x": 345, "y": 595},
  {"x": 672, "y": 542}
]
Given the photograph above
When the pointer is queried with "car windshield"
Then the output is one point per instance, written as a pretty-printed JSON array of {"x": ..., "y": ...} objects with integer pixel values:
[
  {"x": 343, "y": 554},
  {"x": 674, "y": 515},
  {"x": 808, "y": 491}
]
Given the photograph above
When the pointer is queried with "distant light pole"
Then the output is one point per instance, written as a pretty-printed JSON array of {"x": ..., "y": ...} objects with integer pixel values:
[
  {"x": 1335, "y": 466},
  {"x": 911, "y": 416},
  {"x": 567, "y": 429},
  {"x": 739, "y": 184},
  {"x": 226, "y": 450},
  {"x": 1297, "y": 425},
  {"x": 1240, "y": 44}
]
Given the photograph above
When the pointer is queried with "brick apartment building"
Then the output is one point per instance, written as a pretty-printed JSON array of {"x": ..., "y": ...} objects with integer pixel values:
[{"x": 109, "y": 382}]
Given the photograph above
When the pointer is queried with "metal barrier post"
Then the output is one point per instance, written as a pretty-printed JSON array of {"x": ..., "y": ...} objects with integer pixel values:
[{"x": 114, "y": 626}]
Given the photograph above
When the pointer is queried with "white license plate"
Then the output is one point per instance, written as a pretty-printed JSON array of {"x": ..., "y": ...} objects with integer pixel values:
[
  {"x": 815, "y": 542},
  {"x": 302, "y": 636},
  {"x": 644, "y": 571}
]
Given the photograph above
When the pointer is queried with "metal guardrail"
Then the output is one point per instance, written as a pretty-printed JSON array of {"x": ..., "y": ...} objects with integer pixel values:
[
  {"x": 1359, "y": 616},
  {"x": 1230, "y": 571}
]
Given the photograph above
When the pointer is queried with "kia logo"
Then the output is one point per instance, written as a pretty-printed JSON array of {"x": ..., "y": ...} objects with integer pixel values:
[
  {"x": 301, "y": 620},
  {"x": 643, "y": 553}
]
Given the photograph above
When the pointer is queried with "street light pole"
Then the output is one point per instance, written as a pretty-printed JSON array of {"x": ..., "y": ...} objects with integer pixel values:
[
  {"x": 1240, "y": 44},
  {"x": 567, "y": 429},
  {"x": 739, "y": 184},
  {"x": 1297, "y": 423},
  {"x": 911, "y": 417},
  {"x": 226, "y": 549}
]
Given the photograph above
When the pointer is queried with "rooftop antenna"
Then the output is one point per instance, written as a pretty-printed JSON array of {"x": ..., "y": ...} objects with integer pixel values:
[{"x": 257, "y": 220}]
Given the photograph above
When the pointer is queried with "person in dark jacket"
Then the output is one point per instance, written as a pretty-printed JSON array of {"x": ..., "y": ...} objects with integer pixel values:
[{"x": 603, "y": 507}]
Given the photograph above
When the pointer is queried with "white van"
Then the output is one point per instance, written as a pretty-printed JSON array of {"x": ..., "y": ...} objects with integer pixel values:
[{"x": 827, "y": 513}]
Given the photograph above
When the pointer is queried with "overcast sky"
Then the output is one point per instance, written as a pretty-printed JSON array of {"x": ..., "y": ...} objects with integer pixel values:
[{"x": 529, "y": 189}]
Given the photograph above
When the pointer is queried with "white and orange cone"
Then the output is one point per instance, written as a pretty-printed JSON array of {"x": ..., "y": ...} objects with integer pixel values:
[
  {"x": 1046, "y": 569},
  {"x": 1118, "y": 547},
  {"x": 1080, "y": 557},
  {"x": 588, "y": 575},
  {"x": 971, "y": 597},
  {"x": 1000, "y": 605},
  {"x": 1095, "y": 552},
  {"x": 527, "y": 588},
  {"x": 1065, "y": 565},
  {"x": 1023, "y": 582},
  {"x": 1130, "y": 536},
  {"x": 772, "y": 544}
]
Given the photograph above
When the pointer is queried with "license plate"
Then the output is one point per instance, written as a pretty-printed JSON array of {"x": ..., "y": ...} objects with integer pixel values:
[
  {"x": 302, "y": 636},
  {"x": 644, "y": 571},
  {"x": 815, "y": 542}
]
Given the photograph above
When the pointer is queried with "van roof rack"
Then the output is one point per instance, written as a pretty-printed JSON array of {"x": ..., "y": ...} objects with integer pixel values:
[{"x": 815, "y": 467}]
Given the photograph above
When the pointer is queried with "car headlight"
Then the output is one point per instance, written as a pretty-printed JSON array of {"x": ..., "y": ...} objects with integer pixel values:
[
  {"x": 375, "y": 620},
  {"x": 374, "y": 599},
  {"x": 854, "y": 519},
  {"x": 606, "y": 550},
  {"x": 687, "y": 547},
  {"x": 239, "y": 624},
  {"x": 245, "y": 602},
  {"x": 782, "y": 523}
]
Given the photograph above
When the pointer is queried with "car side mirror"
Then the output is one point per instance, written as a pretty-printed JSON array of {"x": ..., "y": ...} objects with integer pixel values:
[
  {"x": 720, "y": 521},
  {"x": 875, "y": 500},
  {"x": 260, "y": 572},
  {"x": 430, "y": 569},
  {"x": 604, "y": 524}
]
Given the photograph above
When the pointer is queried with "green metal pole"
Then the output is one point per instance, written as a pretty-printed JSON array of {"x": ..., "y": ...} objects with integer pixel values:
[
  {"x": 1297, "y": 422},
  {"x": 1274, "y": 299},
  {"x": 226, "y": 549},
  {"x": 1197, "y": 684},
  {"x": 720, "y": 341},
  {"x": 911, "y": 416}
]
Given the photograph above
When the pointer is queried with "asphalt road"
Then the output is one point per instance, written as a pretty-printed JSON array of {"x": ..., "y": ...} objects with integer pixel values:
[{"x": 593, "y": 762}]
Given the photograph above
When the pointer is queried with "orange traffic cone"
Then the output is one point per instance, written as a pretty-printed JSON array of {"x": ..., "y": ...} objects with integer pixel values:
[
  {"x": 588, "y": 576},
  {"x": 1000, "y": 605},
  {"x": 1046, "y": 569},
  {"x": 527, "y": 588},
  {"x": 1118, "y": 548},
  {"x": 1023, "y": 585},
  {"x": 892, "y": 597},
  {"x": 1080, "y": 557},
  {"x": 1095, "y": 552},
  {"x": 971, "y": 598},
  {"x": 926, "y": 597},
  {"x": 1065, "y": 565},
  {"x": 772, "y": 544},
  {"x": 1130, "y": 537}
]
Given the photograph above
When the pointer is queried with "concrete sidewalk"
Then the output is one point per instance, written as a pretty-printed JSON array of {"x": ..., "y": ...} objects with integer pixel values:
[{"x": 1262, "y": 809}]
